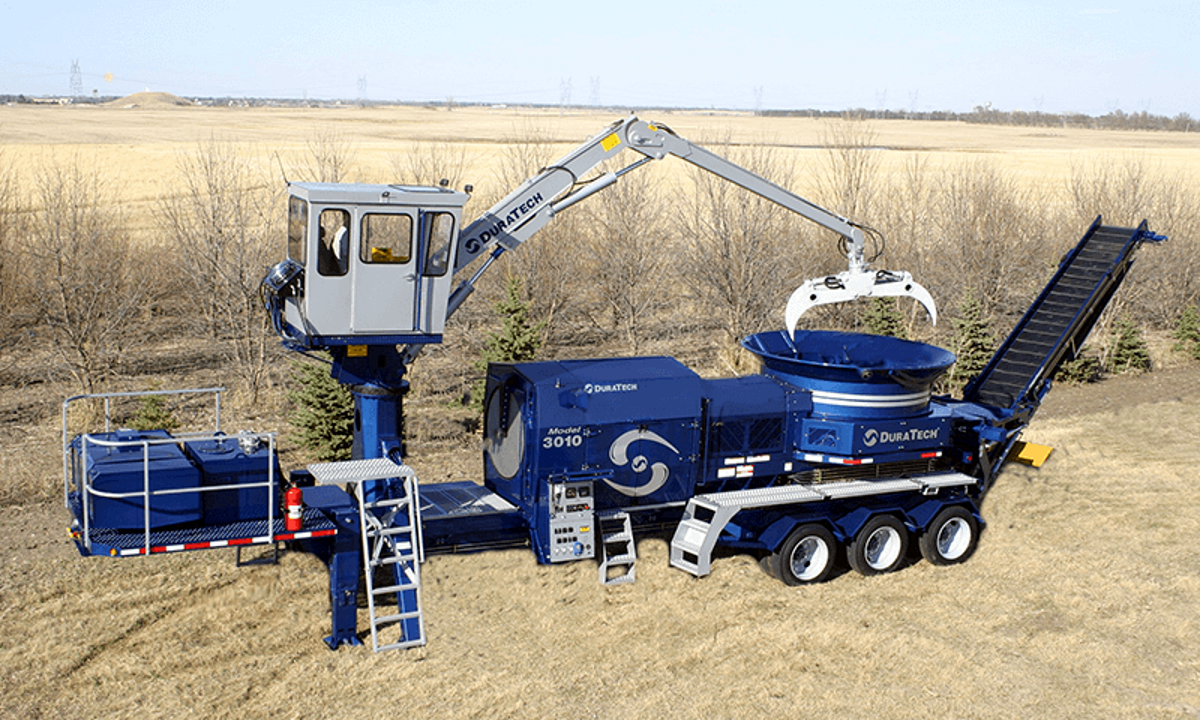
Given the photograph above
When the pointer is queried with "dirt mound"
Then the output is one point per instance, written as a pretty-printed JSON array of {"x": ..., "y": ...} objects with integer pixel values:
[{"x": 150, "y": 100}]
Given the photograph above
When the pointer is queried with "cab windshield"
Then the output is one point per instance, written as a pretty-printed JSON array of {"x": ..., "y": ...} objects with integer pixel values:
[{"x": 297, "y": 229}]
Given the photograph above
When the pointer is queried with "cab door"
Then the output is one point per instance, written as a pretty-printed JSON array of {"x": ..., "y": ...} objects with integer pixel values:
[{"x": 384, "y": 298}]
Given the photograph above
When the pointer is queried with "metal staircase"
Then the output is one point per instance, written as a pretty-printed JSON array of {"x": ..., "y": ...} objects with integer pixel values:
[
  {"x": 618, "y": 553},
  {"x": 705, "y": 517},
  {"x": 1055, "y": 326},
  {"x": 391, "y": 542}
]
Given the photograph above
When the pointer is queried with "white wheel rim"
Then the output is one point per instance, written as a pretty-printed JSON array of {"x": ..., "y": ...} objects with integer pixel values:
[
  {"x": 809, "y": 558},
  {"x": 882, "y": 548},
  {"x": 953, "y": 538}
]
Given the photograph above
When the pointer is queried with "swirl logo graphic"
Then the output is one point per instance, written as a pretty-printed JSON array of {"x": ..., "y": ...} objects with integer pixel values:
[
  {"x": 659, "y": 472},
  {"x": 870, "y": 437}
]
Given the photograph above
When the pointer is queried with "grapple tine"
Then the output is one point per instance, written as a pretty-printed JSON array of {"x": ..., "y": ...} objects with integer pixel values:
[{"x": 847, "y": 286}]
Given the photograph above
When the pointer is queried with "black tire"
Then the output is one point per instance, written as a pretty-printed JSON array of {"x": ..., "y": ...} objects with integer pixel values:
[
  {"x": 806, "y": 556},
  {"x": 951, "y": 538},
  {"x": 879, "y": 547}
]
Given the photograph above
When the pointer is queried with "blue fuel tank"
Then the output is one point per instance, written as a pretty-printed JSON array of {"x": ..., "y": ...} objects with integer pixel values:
[
  {"x": 121, "y": 470},
  {"x": 225, "y": 461}
]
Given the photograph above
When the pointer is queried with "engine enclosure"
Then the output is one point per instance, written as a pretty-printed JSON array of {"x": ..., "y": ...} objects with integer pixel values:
[{"x": 564, "y": 440}]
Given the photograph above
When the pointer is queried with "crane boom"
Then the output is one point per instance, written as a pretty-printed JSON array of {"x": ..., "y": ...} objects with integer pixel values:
[{"x": 530, "y": 207}]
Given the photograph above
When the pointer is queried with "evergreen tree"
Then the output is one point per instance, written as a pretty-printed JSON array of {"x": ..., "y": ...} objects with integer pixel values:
[
  {"x": 517, "y": 341},
  {"x": 323, "y": 417},
  {"x": 972, "y": 339},
  {"x": 882, "y": 317},
  {"x": 153, "y": 414},
  {"x": 1129, "y": 348},
  {"x": 1085, "y": 368},
  {"x": 1187, "y": 332}
]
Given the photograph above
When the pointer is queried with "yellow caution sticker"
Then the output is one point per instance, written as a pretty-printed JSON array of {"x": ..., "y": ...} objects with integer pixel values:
[
  {"x": 1032, "y": 453},
  {"x": 610, "y": 142},
  {"x": 356, "y": 351}
]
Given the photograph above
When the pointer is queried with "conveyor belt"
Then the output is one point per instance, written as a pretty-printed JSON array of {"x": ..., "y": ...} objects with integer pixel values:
[{"x": 1055, "y": 326}]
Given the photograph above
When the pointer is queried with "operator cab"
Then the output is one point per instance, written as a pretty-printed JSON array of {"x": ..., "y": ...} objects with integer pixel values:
[{"x": 376, "y": 262}]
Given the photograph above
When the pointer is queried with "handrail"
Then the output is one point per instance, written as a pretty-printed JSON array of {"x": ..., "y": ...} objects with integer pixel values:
[
  {"x": 216, "y": 391},
  {"x": 87, "y": 491}
]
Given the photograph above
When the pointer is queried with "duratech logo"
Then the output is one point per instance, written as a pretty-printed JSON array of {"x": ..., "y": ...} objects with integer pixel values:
[
  {"x": 591, "y": 389},
  {"x": 871, "y": 437},
  {"x": 510, "y": 221}
]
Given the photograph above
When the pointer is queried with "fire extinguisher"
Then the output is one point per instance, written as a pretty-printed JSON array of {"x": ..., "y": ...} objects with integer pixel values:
[{"x": 293, "y": 501}]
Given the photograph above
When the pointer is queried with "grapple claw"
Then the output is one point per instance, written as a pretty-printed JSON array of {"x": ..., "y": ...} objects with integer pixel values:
[{"x": 851, "y": 285}]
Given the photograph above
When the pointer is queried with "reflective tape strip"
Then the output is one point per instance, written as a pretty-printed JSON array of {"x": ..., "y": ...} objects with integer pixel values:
[
  {"x": 851, "y": 461},
  {"x": 306, "y": 535},
  {"x": 822, "y": 397},
  {"x": 261, "y": 540}
]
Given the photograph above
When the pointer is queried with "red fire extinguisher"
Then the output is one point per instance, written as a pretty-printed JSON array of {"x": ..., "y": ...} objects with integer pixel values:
[{"x": 293, "y": 501}]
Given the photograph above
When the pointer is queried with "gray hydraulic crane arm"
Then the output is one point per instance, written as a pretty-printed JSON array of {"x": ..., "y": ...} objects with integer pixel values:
[{"x": 531, "y": 206}]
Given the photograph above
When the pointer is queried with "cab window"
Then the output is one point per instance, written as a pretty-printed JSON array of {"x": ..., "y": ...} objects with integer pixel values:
[
  {"x": 297, "y": 230},
  {"x": 333, "y": 250},
  {"x": 439, "y": 230},
  {"x": 386, "y": 239}
]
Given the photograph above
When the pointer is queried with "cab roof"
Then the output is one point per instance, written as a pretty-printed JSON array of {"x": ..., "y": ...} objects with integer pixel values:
[{"x": 373, "y": 194}]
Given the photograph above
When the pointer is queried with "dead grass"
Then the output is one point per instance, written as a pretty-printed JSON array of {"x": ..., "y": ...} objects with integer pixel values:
[{"x": 1079, "y": 603}]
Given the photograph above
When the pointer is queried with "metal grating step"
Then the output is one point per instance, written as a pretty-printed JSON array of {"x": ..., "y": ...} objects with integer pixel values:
[
  {"x": 694, "y": 539},
  {"x": 618, "y": 552}
]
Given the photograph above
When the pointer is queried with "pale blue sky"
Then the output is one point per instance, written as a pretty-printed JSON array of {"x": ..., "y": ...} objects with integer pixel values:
[{"x": 1090, "y": 56}]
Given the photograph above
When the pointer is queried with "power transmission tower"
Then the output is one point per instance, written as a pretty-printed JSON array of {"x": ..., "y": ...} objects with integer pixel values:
[
  {"x": 76, "y": 80},
  {"x": 564, "y": 94},
  {"x": 594, "y": 100},
  {"x": 362, "y": 88}
]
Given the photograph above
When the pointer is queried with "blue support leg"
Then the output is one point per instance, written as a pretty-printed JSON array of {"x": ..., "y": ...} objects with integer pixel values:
[{"x": 344, "y": 568}]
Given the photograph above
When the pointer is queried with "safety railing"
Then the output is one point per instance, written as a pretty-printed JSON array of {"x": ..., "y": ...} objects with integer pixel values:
[{"x": 74, "y": 464}]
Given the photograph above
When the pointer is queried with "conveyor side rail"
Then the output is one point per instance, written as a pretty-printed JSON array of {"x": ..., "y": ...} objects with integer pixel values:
[{"x": 1055, "y": 326}]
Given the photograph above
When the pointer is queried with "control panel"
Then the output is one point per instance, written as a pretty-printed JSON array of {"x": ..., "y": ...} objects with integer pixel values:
[{"x": 572, "y": 521}]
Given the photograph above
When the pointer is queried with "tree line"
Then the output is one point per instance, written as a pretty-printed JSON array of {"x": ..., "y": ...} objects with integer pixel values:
[{"x": 686, "y": 264}]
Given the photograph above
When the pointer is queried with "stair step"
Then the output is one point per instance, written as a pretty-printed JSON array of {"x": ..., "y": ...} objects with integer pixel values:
[
  {"x": 625, "y": 579},
  {"x": 385, "y": 619},
  {"x": 393, "y": 559},
  {"x": 396, "y": 502},
  {"x": 690, "y": 536},
  {"x": 388, "y": 531},
  {"x": 686, "y": 566},
  {"x": 626, "y": 559}
]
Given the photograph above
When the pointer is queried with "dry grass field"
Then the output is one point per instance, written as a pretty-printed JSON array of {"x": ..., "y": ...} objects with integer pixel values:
[{"x": 1082, "y": 601}]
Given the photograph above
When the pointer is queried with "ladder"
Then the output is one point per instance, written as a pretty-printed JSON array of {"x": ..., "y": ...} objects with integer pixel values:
[
  {"x": 618, "y": 553},
  {"x": 390, "y": 527},
  {"x": 705, "y": 517}
]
